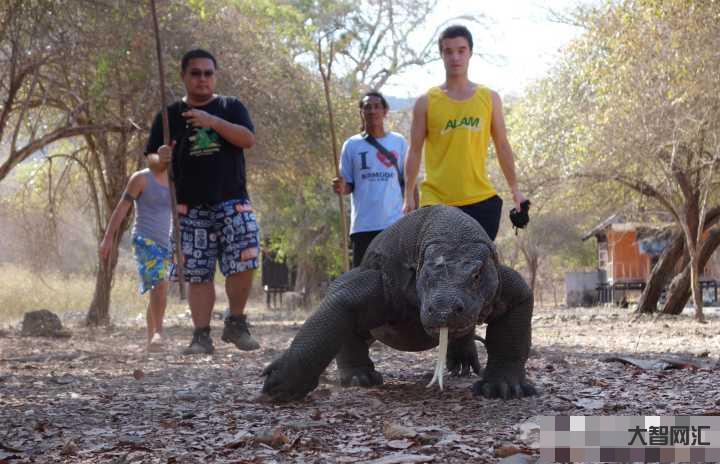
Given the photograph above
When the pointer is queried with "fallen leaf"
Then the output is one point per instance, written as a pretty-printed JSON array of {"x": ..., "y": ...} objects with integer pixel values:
[
  {"x": 665, "y": 362},
  {"x": 62, "y": 380},
  {"x": 239, "y": 440},
  {"x": 70, "y": 449},
  {"x": 10, "y": 448},
  {"x": 185, "y": 395},
  {"x": 519, "y": 458},
  {"x": 396, "y": 431},
  {"x": 376, "y": 403},
  {"x": 529, "y": 431},
  {"x": 505, "y": 451},
  {"x": 401, "y": 459},
  {"x": 41, "y": 426},
  {"x": 301, "y": 425},
  {"x": 273, "y": 437},
  {"x": 599, "y": 383},
  {"x": 589, "y": 403},
  {"x": 399, "y": 444}
]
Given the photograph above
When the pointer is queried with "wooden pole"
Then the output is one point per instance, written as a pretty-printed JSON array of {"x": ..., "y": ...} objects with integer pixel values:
[
  {"x": 326, "y": 74},
  {"x": 179, "y": 261}
]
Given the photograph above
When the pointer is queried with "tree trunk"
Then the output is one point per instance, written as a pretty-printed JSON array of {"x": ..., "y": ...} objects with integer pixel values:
[
  {"x": 539, "y": 294},
  {"x": 678, "y": 293},
  {"x": 664, "y": 268},
  {"x": 660, "y": 275},
  {"x": 533, "y": 264},
  {"x": 695, "y": 270},
  {"x": 679, "y": 290},
  {"x": 307, "y": 277},
  {"x": 99, "y": 311},
  {"x": 310, "y": 274}
]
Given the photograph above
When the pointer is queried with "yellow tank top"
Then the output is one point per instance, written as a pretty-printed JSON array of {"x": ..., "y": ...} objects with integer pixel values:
[{"x": 456, "y": 148}]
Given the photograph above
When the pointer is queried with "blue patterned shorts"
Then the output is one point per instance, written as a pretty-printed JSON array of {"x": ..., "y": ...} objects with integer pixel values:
[
  {"x": 153, "y": 262},
  {"x": 226, "y": 232}
]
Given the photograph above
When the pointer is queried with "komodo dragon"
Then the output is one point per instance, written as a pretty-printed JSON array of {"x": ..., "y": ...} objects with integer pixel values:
[{"x": 432, "y": 276}]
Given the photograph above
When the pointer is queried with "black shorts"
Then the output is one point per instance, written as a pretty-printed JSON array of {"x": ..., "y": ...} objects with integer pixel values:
[
  {"x": 360, "y": 242},
  {"x": 486, "y": 213}
]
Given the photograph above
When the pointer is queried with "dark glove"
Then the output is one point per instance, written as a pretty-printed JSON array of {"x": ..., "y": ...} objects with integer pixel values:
[{"x": 520, "y": 218}]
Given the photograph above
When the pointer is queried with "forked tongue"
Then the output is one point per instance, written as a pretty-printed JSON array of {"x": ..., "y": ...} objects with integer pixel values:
[{"x": 440, "y": 363}]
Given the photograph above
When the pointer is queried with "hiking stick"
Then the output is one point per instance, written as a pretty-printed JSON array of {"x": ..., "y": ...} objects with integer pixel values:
[
  {"x": 326, "y": 73},
  {"x": 179, "y": 261}
]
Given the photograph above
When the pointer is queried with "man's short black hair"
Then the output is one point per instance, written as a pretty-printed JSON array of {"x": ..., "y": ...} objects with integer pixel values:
[
  {"x": 196, "y": 53},
  {"x": 452, "y": 32},
  {"x": 373, "y": 93}
]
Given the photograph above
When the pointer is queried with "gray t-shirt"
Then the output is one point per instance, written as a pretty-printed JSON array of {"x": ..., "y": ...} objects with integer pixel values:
[{"x": 153, "y": 214}]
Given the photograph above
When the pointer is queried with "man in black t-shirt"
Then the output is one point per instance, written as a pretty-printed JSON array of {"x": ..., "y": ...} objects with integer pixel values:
[{"x": 217, "y": 223}]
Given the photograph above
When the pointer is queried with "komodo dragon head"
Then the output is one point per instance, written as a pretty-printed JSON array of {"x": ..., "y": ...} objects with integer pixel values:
[{"x": 456, "y": 285}]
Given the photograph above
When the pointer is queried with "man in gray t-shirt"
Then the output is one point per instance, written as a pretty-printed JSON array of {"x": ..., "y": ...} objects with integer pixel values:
[{"x": 372, "y": 176}]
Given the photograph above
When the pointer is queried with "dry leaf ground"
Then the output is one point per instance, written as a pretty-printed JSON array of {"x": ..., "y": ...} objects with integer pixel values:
[{"x": 98, "y": 397}]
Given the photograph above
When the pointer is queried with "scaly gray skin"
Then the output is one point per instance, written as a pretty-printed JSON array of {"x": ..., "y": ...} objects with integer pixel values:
[{"x": 433, "y": 268}]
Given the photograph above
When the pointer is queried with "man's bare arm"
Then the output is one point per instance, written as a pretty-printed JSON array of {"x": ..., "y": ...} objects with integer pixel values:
[
  {"x": 505, "y": 155},
  {"x": 237, "y": 135},
  {"x": 134, "y": 188},
  {"x": 418, "y": 132}
]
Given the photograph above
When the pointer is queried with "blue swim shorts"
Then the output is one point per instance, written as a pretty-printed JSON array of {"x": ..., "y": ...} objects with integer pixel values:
[{"x": 153, "y": 262}]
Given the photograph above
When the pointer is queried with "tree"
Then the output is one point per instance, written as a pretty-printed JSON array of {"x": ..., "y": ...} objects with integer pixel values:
[
  {"x": 32, "y": 45},
  {"x": 539, "y": 128},
  {"x": 668, "y": 52},
  {"x": 638, "y": 108},
  {"x": 366, "y": 44},
  {"x": 109, "y": 75}
]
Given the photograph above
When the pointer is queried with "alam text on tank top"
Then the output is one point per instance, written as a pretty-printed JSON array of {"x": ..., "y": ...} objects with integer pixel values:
[{"x": 456, "y": 148}]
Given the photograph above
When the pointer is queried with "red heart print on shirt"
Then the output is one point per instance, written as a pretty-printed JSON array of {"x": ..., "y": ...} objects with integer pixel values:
[{"x": 384, "y": 159}]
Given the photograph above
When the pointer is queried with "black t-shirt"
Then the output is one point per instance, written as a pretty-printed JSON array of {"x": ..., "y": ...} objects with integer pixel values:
[{"x": 207, "y": 168}]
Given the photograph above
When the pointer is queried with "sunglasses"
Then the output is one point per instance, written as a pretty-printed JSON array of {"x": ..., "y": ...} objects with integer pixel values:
[{"x": 198, "y": 73}]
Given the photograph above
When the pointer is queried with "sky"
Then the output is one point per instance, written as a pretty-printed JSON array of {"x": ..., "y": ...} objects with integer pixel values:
[{"x": 520, "y": 37}]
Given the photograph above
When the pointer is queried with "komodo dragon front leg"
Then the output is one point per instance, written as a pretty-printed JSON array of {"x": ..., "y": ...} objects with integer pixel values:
[
  {"x": 354, "y": 364},
  {"x": 296, "y": 372},
  {"x": 508, "y": 340}
]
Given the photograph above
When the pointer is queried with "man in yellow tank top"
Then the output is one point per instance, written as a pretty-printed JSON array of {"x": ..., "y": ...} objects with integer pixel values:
[{"x": 454, "y": 123}]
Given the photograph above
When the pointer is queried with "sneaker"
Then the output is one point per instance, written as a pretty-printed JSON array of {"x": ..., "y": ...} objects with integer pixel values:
[
  {"x": 156, "y": 344},
  {"x": 201, "y": 342},
  {"x": 236, "y": 331}
]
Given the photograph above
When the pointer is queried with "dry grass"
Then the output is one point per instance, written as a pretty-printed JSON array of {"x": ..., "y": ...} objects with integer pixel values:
[
  {"x": 68, "y": 295},
  {"x": 600, "y": 329}
]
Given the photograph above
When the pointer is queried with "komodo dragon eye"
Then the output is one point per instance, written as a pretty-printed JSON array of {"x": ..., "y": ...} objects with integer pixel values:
[{"x": 477, "y": 275}]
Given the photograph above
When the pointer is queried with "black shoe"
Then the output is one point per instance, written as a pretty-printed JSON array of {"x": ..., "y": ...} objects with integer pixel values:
[
  {"x": 236, "y": 331},
  {"x": 201, "y": 342}
]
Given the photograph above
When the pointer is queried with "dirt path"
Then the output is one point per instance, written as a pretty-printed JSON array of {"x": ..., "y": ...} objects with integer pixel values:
[{"x": 97, "y": 397}]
